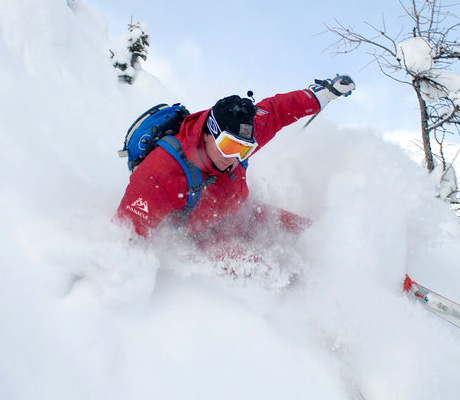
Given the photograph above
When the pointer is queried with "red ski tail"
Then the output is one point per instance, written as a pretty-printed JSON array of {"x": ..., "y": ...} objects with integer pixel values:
[{"x": 407, "y": 283}]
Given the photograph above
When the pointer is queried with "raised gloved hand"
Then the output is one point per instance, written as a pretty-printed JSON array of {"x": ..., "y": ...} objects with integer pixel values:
[{"x": 332, "y": 88}]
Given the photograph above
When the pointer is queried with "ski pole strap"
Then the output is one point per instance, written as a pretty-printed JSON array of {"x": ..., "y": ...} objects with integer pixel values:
[{"x": 328, "y": 86}]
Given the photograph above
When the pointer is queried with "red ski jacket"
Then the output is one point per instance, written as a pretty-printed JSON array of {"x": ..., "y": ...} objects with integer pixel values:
[{"x": 158, "y": 187}]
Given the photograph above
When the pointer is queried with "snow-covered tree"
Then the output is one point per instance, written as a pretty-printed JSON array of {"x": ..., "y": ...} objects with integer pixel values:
[
  {"x": 128, "y": 49},
  {"x": 421, "y": 55}
]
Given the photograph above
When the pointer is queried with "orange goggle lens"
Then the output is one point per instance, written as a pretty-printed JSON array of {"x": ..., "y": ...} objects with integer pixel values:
[{"x": 230, "y": 146}]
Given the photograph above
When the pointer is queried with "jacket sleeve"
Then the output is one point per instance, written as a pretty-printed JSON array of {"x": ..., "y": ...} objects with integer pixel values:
[
  {"x": 151, "y": 197},
  {"x": 282, "y": 110}
]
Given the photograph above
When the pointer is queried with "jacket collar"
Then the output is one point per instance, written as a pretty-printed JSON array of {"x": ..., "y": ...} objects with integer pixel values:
[{"x": 192, "y": 140}]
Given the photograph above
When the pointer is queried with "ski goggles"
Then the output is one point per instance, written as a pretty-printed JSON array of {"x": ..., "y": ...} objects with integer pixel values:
[{"x": 230, "y": 146}]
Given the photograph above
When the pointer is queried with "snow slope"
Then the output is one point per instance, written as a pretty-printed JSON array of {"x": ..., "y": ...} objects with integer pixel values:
[{"x": 87, "y": 314}]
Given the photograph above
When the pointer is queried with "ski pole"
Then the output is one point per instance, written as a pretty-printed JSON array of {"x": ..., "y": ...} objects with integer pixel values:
[{"x": 311, "y": 119}]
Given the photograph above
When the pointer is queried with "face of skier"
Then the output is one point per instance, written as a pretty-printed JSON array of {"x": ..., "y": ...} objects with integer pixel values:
[{"x": 221, "y": 162}]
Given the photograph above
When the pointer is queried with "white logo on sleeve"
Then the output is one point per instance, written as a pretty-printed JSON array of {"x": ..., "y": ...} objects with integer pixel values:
[{"x": 139, "y": 207}]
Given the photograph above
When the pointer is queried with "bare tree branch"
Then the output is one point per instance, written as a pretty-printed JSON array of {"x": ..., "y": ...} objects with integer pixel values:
[{"x": 429, "y": 21}]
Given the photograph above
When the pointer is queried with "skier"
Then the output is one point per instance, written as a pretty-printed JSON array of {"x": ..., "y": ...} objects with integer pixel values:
[{"x": 218, "y": 141}]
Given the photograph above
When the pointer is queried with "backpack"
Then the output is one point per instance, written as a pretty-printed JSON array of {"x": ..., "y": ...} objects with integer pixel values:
[
  {"x": 146, "y": 130},
  {"x": 157, "y": 127}
]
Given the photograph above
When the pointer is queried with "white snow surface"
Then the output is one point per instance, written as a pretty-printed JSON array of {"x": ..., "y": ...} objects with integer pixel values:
[
  {"x": 415, "y": 55},
  {"x": 87, "y": 313}
]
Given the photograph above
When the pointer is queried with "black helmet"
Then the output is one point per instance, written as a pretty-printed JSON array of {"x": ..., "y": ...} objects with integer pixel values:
[{"x": 234, "y": 115}]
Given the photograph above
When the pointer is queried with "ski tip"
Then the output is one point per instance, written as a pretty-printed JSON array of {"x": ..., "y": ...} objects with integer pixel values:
[{"x": 407, "y": 283}]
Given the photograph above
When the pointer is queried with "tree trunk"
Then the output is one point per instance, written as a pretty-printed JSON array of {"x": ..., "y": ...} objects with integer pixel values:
[{"x": 424, "y": 124}]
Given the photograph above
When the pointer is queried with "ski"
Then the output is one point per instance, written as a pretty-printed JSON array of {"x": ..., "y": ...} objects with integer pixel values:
[{"x": 440, "y": 305}]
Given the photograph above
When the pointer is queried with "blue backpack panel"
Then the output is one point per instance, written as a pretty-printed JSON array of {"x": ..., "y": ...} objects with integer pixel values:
[{"x": 151, "y": 126}]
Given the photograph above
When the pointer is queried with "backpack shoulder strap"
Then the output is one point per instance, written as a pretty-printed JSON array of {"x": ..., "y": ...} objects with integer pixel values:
[{"x": 193, "y": 174}]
